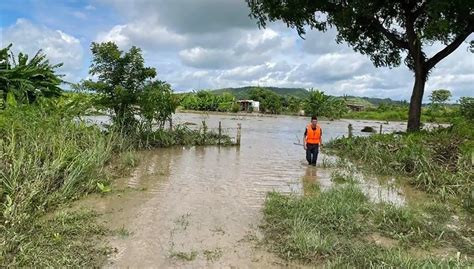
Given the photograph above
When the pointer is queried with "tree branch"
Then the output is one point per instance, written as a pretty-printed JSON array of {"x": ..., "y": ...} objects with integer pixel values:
[
  {"x": 449, "y": 48},
  {"x": 394, "y": 38}
]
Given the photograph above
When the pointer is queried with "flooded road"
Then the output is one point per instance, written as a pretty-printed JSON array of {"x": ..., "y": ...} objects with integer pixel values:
[{"x": 200, "y": 207}]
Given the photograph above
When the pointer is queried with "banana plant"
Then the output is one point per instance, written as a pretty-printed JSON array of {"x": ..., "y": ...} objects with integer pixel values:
[{"x": 28, "y": 78}]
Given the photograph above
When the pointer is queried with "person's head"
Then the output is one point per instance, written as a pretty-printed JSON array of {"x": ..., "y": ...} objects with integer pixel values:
[{"x": 314, "y": 120}]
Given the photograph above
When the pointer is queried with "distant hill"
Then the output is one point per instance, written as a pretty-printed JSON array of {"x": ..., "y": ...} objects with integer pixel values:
[
  {"x": 375, "y": 101},
  {"x": 244, "y": 92}
]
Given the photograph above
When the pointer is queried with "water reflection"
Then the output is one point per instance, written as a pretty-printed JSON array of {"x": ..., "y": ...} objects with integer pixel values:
[{"x": 310, "y": 181}]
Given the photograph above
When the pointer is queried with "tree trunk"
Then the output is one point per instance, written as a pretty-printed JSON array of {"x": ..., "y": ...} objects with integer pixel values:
[{"x": 414, "y": 114}]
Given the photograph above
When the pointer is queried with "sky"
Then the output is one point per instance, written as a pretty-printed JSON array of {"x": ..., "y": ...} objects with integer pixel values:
[{"x": 208, "y": 44}]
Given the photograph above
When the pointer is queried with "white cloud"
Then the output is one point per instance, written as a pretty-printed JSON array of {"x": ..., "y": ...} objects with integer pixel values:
[
  {"x": 213, "y": 43},
  {"x": 145, "y": 34},
  {"x": 57, "y": 45}
]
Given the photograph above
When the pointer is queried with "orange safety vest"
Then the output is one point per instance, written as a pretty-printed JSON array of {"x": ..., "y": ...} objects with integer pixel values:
[{"x": 313, "y": 136}]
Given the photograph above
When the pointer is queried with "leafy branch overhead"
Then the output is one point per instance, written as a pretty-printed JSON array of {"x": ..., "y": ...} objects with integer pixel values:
[{"x": 383, "y": 30}]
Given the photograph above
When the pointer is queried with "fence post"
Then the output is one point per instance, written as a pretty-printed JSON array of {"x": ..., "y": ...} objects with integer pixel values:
[
  {"x": 220, "y": 134},
  {"x": 380, "y": 128},
  {"x": 350, "y": 130},
  {"x": 171, "y": 123},
  {"x": 239, "y": 133},
  {"x": 204, "y": 127}
]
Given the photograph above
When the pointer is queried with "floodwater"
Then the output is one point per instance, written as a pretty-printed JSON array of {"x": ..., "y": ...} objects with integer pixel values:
[{"x": 200, "y": 207}]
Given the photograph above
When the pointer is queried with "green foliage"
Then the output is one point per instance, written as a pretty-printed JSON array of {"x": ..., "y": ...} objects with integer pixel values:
[
  {"x": 47, "y": 156},
  {"x": 122, "y": 77},
  {"x": 179, "y": 135},
  {"x": 335, "y": 227},
  {"x": 467, "y": 107},
  {"x": 294, "y": 104},
  {"x": 64, "y": 239},
  {"x": 438, "y": 161},
  {"x": 440, "y": 96},
  {"x": 368, "y": 25},
  {"x": 243, "y": 93},
  {"x": 208, "y": 101},
  {"x": 270, "y": 102},
  {"x": 27, "y": 78},
  {"x": 157, "y": 103},
  {"x": 320, "y": 104},
  {"x": 382, "y": 30}
]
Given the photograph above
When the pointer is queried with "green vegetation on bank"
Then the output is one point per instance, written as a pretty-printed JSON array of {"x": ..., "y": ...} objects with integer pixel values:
[
  {"x": 438, "y": 161},
  {"x": 246, "y": 92},
  {"x": 316, "y": 102},
  {"x": 50, "y": 156},
  {"x": 342, "y": 228}
]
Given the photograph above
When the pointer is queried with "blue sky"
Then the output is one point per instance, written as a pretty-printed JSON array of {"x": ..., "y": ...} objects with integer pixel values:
[{"x": 213, "y": 44}]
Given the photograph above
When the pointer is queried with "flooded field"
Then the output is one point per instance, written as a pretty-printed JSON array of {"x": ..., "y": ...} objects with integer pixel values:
[{"x": 199, "y": 207}]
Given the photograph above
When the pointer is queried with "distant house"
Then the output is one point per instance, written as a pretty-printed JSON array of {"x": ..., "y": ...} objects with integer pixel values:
[
  {"x": 355, "y": 107},
  {"x": 249, "y": 105}
]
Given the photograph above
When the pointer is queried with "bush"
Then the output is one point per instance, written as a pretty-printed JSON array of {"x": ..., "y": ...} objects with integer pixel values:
[{"x": 467, "y": 107}]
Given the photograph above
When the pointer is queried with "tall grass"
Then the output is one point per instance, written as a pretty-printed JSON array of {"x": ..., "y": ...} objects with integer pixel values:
[
  {"x": 48, "y": 156},
  {"x": 45, "y": 158},
  {"x": 439, "y": 161}
]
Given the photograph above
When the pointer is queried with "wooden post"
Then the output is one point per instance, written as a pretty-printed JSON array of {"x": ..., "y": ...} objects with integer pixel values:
[
  {"x": 204, "y": 127},
  {"x": 239, "y": 133},
  {"x": 220, "y": 133},
  {"x": 171, "y": 124},
  {"x": 350, "y": 130},
  {"x": 380, "y": 129}
]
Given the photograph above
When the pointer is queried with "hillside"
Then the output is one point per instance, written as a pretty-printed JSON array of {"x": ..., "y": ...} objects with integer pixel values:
[{"x": 244, "y": 93}]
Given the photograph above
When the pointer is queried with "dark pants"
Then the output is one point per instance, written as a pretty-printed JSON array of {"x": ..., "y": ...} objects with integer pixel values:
[{"x": 312, "y": 151}]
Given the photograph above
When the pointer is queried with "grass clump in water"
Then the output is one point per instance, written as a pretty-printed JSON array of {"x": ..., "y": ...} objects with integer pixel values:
[{"x": 335, "y": 228}]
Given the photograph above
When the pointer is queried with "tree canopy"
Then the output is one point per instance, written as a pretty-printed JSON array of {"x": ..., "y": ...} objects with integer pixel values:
[
  {"x": 383, "y": 30},
  {"x": 121, "y": 77},
  {"x": 440, "y": 96}
]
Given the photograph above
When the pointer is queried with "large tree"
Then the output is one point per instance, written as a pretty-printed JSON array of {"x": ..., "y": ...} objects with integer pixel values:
[{"x": 383, "y": 30}]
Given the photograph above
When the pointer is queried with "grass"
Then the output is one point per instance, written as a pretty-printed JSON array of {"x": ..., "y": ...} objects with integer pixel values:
[
  {"x": 342, "y": 228},
  {"x": 335, "y": 228},
  {"x": 213, "y": 255},
  {"x": 64, "y": 239},
  {"x": 400, "y": 113},
  {"x": 439, "y": 161},
  {"x": 46, "y": 159},
  {"x": 184, "y": 256},
  {"x": 49, "y": 157}
]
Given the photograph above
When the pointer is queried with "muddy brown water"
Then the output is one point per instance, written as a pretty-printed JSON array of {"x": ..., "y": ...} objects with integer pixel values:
[{"x": 200, "y": 207}]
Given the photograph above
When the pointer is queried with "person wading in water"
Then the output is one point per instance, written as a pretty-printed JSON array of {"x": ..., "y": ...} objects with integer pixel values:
[{"x": 312, "y": 140}]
